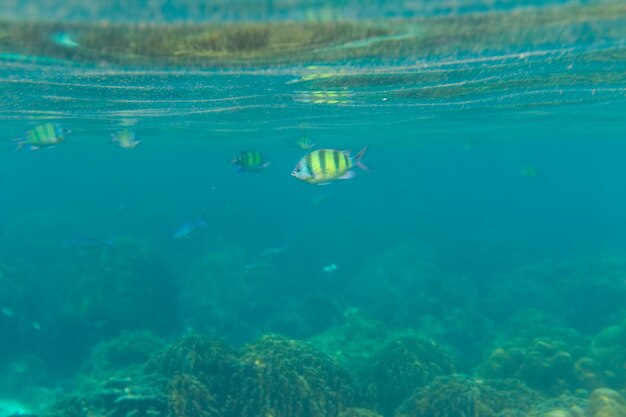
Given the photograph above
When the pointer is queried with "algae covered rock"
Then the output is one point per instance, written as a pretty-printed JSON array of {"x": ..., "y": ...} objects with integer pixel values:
[
  {"x": 402, "y": 366},
  {"x": 463, "y": 396},
  {"x": 280, "y": 377}
]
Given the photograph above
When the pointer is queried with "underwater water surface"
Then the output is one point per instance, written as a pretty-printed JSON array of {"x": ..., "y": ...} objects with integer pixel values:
[{"x": 182, "y": 233}]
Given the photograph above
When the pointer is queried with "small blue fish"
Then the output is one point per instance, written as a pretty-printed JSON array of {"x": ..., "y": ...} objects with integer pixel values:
[
  {"x": 186, "y": 229},
  {"x": 265, "y": 258},
  {"x": 64, "y": 39},
  {"x": 330, "y": 269}
]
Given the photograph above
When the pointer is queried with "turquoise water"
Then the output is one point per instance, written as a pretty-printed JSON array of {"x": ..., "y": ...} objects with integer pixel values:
[{"x": 477, "y": 269}]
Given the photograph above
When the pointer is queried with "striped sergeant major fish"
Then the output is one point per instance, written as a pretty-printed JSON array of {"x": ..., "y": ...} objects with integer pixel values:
[
  {"x": 250, "y": 161},
  {"x": 126, "y": 138},
  {"x": 325, "y": 165},
  {"x": 43, "y": 135}
]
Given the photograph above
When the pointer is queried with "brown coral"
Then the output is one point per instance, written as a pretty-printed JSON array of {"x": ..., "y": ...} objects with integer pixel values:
[
  {"x": 188, "y": 397},
  {"x": 280, "y": 377},
  {"x": 210, "y": 361},
  {"x": 458, "y": 395},
  {"x": 545, "y": 364},
  {"x": 401, "y": 367}
]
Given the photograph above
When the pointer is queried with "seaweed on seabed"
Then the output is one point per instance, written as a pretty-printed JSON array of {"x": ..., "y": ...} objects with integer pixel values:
[
  {"x": 280, "y": 377},
  {"x": 402, "y": 366},
  {"x": 460, "y": 395}
]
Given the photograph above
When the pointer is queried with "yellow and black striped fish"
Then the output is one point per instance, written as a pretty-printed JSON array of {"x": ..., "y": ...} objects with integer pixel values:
[
  {"x": 46, "y": 134},
  {"x": 250, "y": 161},
  {"x": 325, "y": 165}
]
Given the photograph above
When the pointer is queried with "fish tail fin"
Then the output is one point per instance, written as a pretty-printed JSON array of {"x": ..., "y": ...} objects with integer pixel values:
[
  {"x": 19, "y": 144},
  {"x": 358, "y": 159}
]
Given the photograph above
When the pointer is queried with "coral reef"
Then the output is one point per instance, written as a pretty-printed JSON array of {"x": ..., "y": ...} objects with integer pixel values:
[
  {"x": 222, "y": 296},
  {"x": 545, "y": 356},
  {"x": 566, "y": 405},
  {"x": 140, "y": 395},
  {"x": 203, "y": 377},
  {"x": 188, "y": 397},
  {"x": 19, "y": 310},
  {"x": 131, "y": 274},
  {"x": 591, "y": 374},
  {"x": 403, "y": 284},
  {"x": 585, "y": 293},
  {"x": 280, "y": 377},
  {"x": 209, "y": 361},
  {"x": 401, "y": 367},
  {"x": 458, "y": 395},
  {"x": 130, "y": 348},
  {"x": 353, "y": 342},
  {"x": 358, "y": 412},
  {"x": 604, "y": 402},
  {"x": 191, "y": 378},
  {"x": 608, "y": 349}
]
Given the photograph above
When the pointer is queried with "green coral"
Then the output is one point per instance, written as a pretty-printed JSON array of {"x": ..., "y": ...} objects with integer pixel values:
[
  {"x": 462, "y": 396},
  {"x": 401, "y": 367},
  {"x": 280, "y": 377}
]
